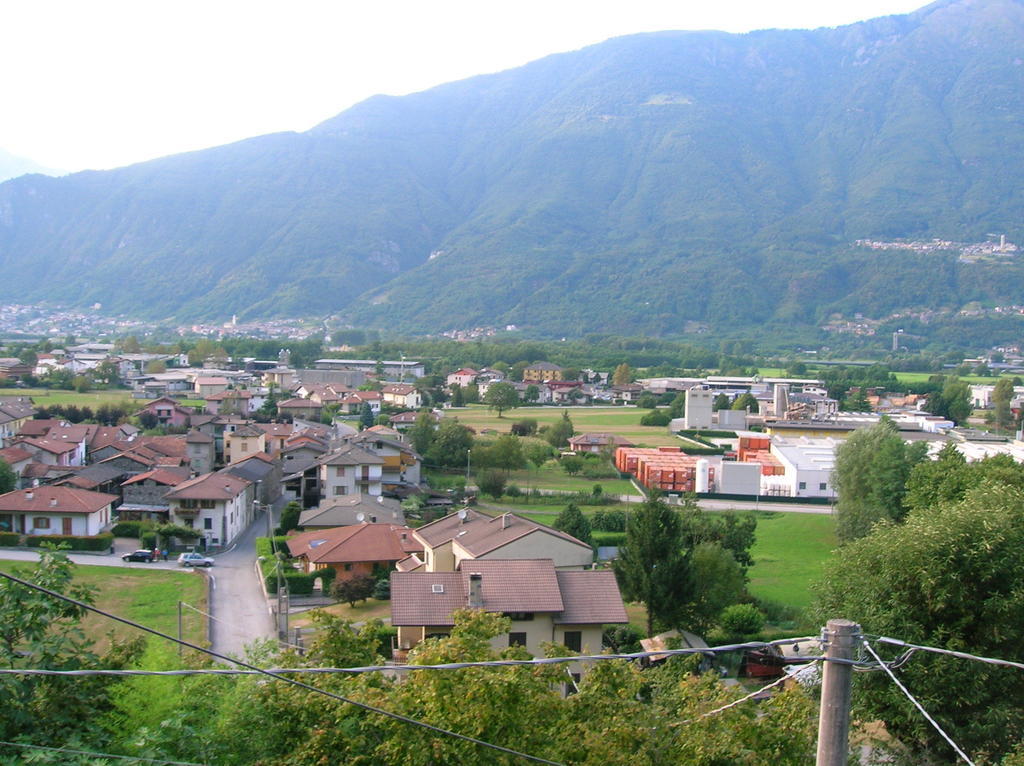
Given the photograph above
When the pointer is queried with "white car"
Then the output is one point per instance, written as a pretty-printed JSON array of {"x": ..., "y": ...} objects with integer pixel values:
[{"x": 193, "y": 559}]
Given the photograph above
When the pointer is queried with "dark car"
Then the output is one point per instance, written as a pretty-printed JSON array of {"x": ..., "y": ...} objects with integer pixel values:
[{"x": 139, "y": 555}]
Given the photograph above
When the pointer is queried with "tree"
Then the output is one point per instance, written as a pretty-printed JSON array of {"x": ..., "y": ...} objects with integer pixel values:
[
  {"x": 573, "y": 522},
  {"x": 652, "y": 566},
  {"x": 290, "y": 517},
  {"x": 358, "y": 588},
  {"x": 491, "y": 483},
  {"x": 559, "y": 433},
  {"x": 451, "y": 446},
  {"x": 501, "y": 396},
  {"x": 365, "y": 416},
  {"x": 1002, "y": 395},
  {"x": 741, "y": 621},
  {"x": 532, "y": 393},
  {"x": 871, "y": 471},
  {"x": 571, "y": 464},
  {"x": 8, "y": 479},
  {"x": 525, "y": 427},
  {"x": 622, "y": 375},
  {"x": 421, "y": 435},
  {"x": 718, "y": 582},
  {"x": 953, "y": 402},
  {"x": 458, "y": 400},
  {"x": 647, "y": 401},
  {"x": 745, "y": 401},
  {"x": 678, "y": 406},
  {"x": 950, "y": 577},
  {"x": 721, "y": 402},
  {"x": 155, "y": 366},
  {"x": 506, "y": 452}
]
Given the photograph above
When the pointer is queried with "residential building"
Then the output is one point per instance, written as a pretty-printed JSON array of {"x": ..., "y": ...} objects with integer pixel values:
[
  {"x": 462, "y": 377},
  {"x": 145, "y": 494},
  {"x": 597, "y": 443},
  {"x": 469, "y": 534},
  {"x": 401, "y": 395},
  {"x": 542, "y": 372},
  {"x": 543, "y": 603},
  {"x": 217, "y": 504},
  {"x": 208, "y": 385},
  {"x": 201, "y": 451},
  {"x": 359, "y": 549},
  {"x": 167, "y": 412},
  {"x": 242, "y": 442},
  {"x": 15, "y": 411},
  {"x": 299, "y": 408},
  {"x": 49, "y": 510},
  {"x": 401, "y": 466},
  {"x": 353, "y": 509},
  {"x": 349, "y": 470}
]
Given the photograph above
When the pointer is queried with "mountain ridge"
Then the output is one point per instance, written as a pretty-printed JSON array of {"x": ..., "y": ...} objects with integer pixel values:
[{"x": 652, "y": 181}]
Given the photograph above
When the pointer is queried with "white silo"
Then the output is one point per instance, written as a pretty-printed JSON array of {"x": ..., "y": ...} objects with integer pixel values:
[{"x": 703, "y": 472}]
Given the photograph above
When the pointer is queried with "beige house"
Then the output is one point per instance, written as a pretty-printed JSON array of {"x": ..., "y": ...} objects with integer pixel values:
[
  {"x": 243, "y": 442},
  {"x": 469, "y": 534},
  {"x": 544, "y": 604},
  {"x": 401, "y": 395},
  {"x": 349, "y": 470}
]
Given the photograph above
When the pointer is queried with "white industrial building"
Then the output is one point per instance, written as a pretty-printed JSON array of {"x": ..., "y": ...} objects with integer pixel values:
[{"x": 808, "y": 465}]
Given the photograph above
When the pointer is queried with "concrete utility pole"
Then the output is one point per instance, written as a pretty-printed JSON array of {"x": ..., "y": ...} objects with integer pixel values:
[{"x": 834, "y": 718}]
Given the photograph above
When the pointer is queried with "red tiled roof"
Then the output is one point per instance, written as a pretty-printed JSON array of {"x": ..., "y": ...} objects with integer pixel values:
[
  {"x": 12, "y": 455},
  {"x": 50, "y": 499},
  {"x": 210, "y": 486},
  {"x": 160, "y": 476},
  {"x": 47, "y": 444},
  {"x": 359, "y": 542},
  {"x": 480, "y": 534},
  {"x": 590, "y": 597}
]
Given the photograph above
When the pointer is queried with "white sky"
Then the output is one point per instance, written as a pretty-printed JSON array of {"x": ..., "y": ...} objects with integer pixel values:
[{"x": 102, "y": 83}]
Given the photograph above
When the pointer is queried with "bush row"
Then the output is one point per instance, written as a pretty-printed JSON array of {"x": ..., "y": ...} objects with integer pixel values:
[
  {"x": 299, "y": 583},
  {"x": 702, "y": 434},
  {"x": 10, "y": 538},
  {"x": 607, "y": 538},
  {"x": 77, "y": 542}
]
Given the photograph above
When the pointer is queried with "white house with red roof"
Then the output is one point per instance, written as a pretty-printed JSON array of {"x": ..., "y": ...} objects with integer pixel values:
[
  {"x": 49, "y": 510},
  {"x": 462, "y": 377},
  {"x": 219, "y": 504}
]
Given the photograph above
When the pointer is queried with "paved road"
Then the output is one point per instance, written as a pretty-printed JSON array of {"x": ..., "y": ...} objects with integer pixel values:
[
  {"x": 239, "y": 611},
  {"x": 727, "y": 505}
]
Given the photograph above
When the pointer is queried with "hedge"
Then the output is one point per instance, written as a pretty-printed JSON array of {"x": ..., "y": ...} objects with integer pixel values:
[
  {"x": 78, "y": 543},
  {"x": 707, "y": 432},
  {"x": 703, "y": 450},
  {"x": 130, "y": 528},
  {"x": 607, "y": 538},
  {"x": 299, "y": 583},
  {"x": 10, "y": 538}
]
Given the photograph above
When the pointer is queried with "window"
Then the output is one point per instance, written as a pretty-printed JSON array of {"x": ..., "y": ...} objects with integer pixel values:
[
  {"x": 42, "y": 522},
  {"x": 348, "y": 567},
  {"x": 186, "y": 503},
  {"x": 519, "y": 616},
  {"x": 339, "y": 470},
  {"x": 823, "y": 486},
  {"x": 517, "y": 639},
  {"x": 244, "y": 446},
  {"x": 803, "y": 485},
  {"x": 207, "y": 504},
  {"x": 341, "y": 490},
  {"x": 207, "y": 523},
  {"x": 573, "y": 640}
]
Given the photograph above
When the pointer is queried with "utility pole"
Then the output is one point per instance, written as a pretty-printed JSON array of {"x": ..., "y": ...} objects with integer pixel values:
[
  {"x": 834, "y": 717},
  {"x": 180, "y": 647}
]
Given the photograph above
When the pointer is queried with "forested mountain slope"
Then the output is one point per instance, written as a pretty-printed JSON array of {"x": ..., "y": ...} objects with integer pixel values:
[{"x": 638, "y": 184}]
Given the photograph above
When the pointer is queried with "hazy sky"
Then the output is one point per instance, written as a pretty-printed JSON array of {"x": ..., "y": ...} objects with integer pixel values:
[{"x": 102, "y": 83}]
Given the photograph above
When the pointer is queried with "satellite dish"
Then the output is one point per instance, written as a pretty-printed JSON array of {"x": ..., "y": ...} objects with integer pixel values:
[
  {"x": 463, "y": 514},
  {"x": 360, "y": 517},
  {"x": 380, "y": 499}
]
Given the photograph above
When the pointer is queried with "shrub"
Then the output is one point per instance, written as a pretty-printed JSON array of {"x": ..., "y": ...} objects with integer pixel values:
[
  {"x": 609, "y": 521},
  {"x": 9, "y": 538},
  {"x": 741, "y": 620},
  {"x": 131, "y": 528},
  {"x": 656, "y": 418},
  {"x": 382, "y": 590},
  {"x": 513, "y": 491},
  {"x": 148, "y": 540},
  {"x": 76, "y": 542},
  {"x": 358, "y": 588},
  {"x": 608, "y": 538}
]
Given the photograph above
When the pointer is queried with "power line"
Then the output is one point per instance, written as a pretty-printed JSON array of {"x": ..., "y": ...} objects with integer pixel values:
[
  {"x": 136, "y": 758},
  {"x": 917, "y": 704},
  {"x": 950, "y": 652},
  {"x": 735, "y": 702},
  {"x": 292, "y": 681}
]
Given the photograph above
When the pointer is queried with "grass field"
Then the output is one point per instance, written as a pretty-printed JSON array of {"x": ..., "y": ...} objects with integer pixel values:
[
  {"x": 45, "y": 397},
  {"x": 551, "y": 476},
  {"x": 147, "y": 596},
  {"x": 623, "y": 421},
  {"x": 922, "y": 377},
  {"x": 362, "y": 611},
  {"x": 789, "y": 555}
]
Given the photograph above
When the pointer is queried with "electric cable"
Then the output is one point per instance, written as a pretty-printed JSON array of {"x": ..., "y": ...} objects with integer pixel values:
[
  {"x": 918, "y": 705},
  {"x": 292, "y": 681},
  {"x": 950, "y": 652},
  {"x": 136, "y": 758}
]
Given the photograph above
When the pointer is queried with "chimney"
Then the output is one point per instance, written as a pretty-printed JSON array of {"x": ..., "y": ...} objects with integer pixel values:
[
  {"x": 53, "y": 501},
  {"x": 476, "y": 596},
  {"x": 28, "y": 495},
  {"x": 504, "y": 521}
]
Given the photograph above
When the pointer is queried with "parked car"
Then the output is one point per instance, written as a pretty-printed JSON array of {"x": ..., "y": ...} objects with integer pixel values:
[
  {"x": 193, "y": 559},
  {"x": 140, "y": 555}
]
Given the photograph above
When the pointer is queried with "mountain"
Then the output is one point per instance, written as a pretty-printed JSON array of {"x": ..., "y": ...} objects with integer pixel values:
[
  {"x": 642, "y": 185},
  {"x": 12, "y": 166}
]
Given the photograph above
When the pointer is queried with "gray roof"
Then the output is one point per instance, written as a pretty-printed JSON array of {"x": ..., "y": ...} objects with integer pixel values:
[
  {"x": 342, "y": 511},
  {"x": 350, "y": 454},
  {"x": 480, "y": 534}
]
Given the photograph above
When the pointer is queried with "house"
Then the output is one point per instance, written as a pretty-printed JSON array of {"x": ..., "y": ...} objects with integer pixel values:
[
  {"x": 144, "y": 494},
  {"x": 353, "y": 509},
  {"x": 17, "y": 458},
  {"x": 15, "y": 411},
  {"x": 385, "y": 432},
  {"x": 299, "y": 408},
  {"x": 390, "y": 369},
  {"x": 462, "y": 377},
  {"x": 597, "y": 443},
  {"x": 470, "y": 534},
  {"x": 263, "y": 471},
  {"x": 401, "y": 462},
  {"x": 401, "y": 395},
  {"x": 543, "y": 603},
  {"x": 568, "y": 392},
  {"x": 97, "y": 478},
  {"x": 167, "y": 412},
  {"x": 627, "y": 393},
  {"x": 231, "y": 402},
  {"x": 277, "y": 435},
  {"x": 349, "y": 470},
  {"x": 353, "y": 403},
  {"x": 242, "y": 442},
  {"x": 201, "y": 451},
  {"x": 50, "y": 451},
  {"x": 542, "y": 372},
  {"x": 49, "y": 510},
  {"x": 218, "y": 504},
  {"x": 403, "y": 420},
  {"x": 359, "y": 549},
  {"x": 208, "y": 385},
  {"x": 13, "y": 369}
]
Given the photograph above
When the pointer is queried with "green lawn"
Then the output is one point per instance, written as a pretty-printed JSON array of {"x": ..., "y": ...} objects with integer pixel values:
[
  {"x": 551, "y": 476},
  {"x": 789, "y": 555},
  {"x": 45, "y": 397},
  {"x": 922, "y": 377},
  {"x": 146, "y": 596},
  {"x": 623, "y": 421}
]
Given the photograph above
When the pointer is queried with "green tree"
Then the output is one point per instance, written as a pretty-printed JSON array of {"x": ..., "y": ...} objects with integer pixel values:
[
  {"x": 741, "y": 621},
  {"x": 950, "y": 577},
  {"x": 953, "y": 402},
  {"x": 1002, "y": 395},
  {"x": 365, "y": 416},
  {"x": 647, "y": 401},
  {"x": 353, "y": 589},
  {"x": 130, "y": 345},
  {"x": 290, "y": 517},
  {"x": 421, "y": 435},
  {"x": 8, "y": 479},
  {"x": 718, "y": 582},
  {"x": 155, "y": 366},
  {"x": 856, "y": 401},
  {"x": 871, "y": 471},
  {"x": 506, "y": 452},
  {"x": 458, "y": 400},
  {"x": 571, "y": 464},
  {"x": 745, "y": 401},
  {"x": 572, "y": 521},
  {"x": 678, "y": 406},
  {"x": 623, "y": 375},
  {"x": 559, "y": 433},
  {"x": 491, "y": 482},
  {"x": 501, "y": 396},
  {"x": 652, "y": 567},
  {"x": 451, "y": 446},
  {"x": 721, "y": 402},
  {"x": 532, "y": 393}
]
